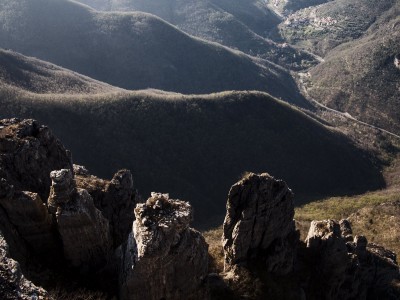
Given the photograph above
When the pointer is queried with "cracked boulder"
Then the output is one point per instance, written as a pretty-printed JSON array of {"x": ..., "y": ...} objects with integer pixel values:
[
  {"x": 259, "y": 230},
  {"x": 164, "y": 258}
]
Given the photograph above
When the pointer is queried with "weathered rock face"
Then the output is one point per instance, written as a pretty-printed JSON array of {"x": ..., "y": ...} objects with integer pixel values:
[
  {"x": 164, "y": 258},
  {"x": 63, "y": 189},
  {"x": 13, "y": 284},
  {"x": 259, "y": 228},
  {"x": 331, "y": 258},
  {"x": 84, "y": 231},
  {"x": 347, "y": 268},
  {"x": 29, "y": 152},
  {"x": 116, "y": 199},
  {"x": 118, "y": 205},
  {"x": 28, "y": 214}
]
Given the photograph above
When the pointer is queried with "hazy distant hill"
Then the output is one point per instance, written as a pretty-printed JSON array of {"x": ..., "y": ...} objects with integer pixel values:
[
  {"x": 321, "y": 28},
  {"x": 133, "y": 50},
  {"x": 193, "y": 146},
  {"x": 252, "y": 13},
  {"x": 286, "y": 7},
  {"x": 362, "y": 76},
  {"x": 243, "y": 25},
  {"x": 32, "y": 75}
]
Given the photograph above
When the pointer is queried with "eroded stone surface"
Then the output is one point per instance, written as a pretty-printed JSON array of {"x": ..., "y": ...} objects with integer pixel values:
[
  {"x": 259, "y": 228},
  {"x": 116, "y": 199},
  {"x": 13, "y": 284},
  {"x": 347, "y": 268},
  {"x": 84, "y": 232},
  {"x": 29, "y": 215},
  {"x": 164, "y": 258},
  {"x": 29, "y": 152}
]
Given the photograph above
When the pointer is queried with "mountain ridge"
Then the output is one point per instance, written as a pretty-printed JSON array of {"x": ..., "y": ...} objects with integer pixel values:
[{"x": 134, "y": 50}]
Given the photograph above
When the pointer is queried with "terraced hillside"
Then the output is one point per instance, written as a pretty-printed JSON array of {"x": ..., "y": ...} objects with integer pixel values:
[
  {"x": 323, "y": 27},
  {"x": 362, "y": 77}
]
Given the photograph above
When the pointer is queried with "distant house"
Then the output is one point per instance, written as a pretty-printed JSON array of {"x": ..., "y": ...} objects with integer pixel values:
[{"x": 397, "y": 61}]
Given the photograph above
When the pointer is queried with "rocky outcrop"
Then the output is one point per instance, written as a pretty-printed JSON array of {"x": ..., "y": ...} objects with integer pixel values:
[
  {"x": 263, "y": 253},
  {"x": 164, "y": 258},
  {"x": 29, "y": 152},
  {"x": 13, "y": 284},
  {"x": 29, "y": 215},
  {"x": 84, "y": 219},
  {"x": 347, "y": 268},
  {"x": 116, "y": 199},
  {"x": 259, "y": 229},
  {"x": 84, "y": 232}
]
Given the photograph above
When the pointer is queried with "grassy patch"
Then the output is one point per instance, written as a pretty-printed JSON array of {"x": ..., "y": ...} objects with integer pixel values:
[
  {"x": 375, "y": 215},
  {"x": 342, "y": 207},
  {"x": 214, "y": 240}
]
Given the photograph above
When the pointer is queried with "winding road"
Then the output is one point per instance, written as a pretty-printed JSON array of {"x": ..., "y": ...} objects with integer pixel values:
[{"x": 344, "y": 114}]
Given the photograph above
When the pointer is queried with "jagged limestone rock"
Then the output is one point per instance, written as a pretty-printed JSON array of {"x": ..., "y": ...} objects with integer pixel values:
[
  {"x": 29, "y": 152},
  {"x": 347, "y": 268},
  {"x": 259, "y": 229},
  {"x": 330, "y": 254},
  {"x": 63, "y": 189},
  {"x": 27, "y": 213},
  {"x": 164, "y": 258},
  {"x": 13, "y": 284},
  {"x": 118, "y": 205},
  {"x": 84, "y": 231},
  {"x": 116, "y": 199}
]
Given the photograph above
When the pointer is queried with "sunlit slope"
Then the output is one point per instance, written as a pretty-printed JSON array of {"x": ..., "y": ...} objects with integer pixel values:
[
  {"x": 133, "y": 50},
  {"x": 243, "y": 25},
  {"x": 21, "y": 73},
  {"x": 362, "y": 77}
]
